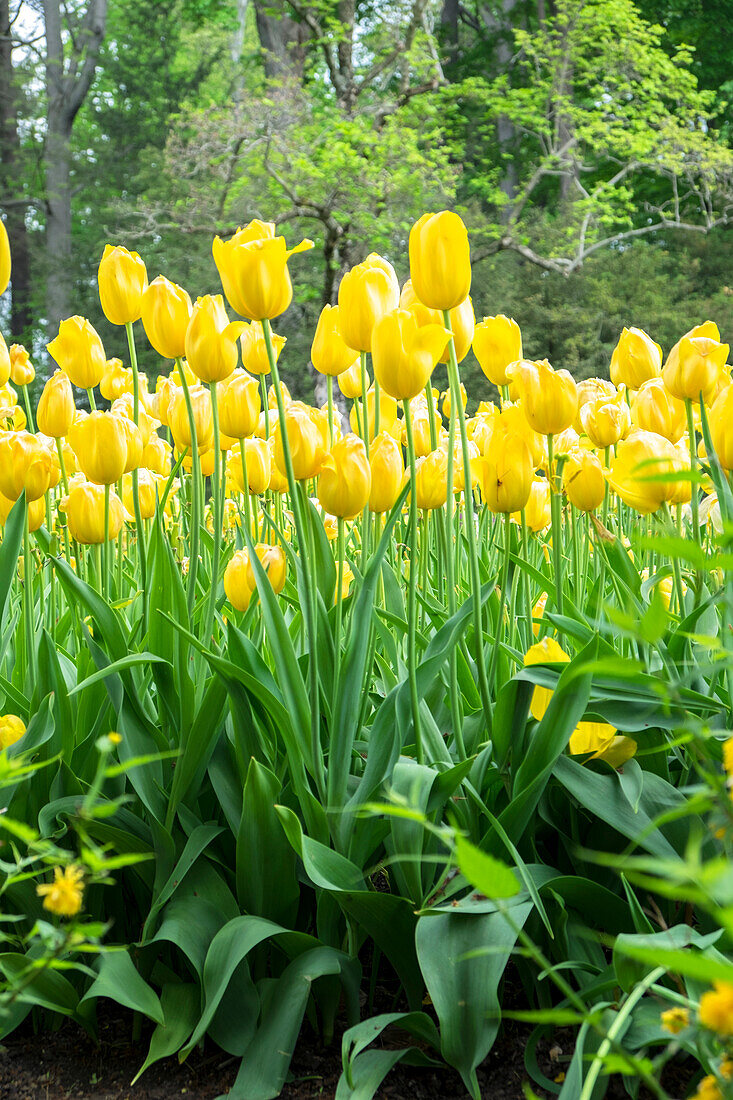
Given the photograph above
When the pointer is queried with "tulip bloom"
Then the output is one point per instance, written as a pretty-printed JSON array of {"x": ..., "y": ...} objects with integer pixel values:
[
  {"x": 202, "y": 416},
  {"x": 635, "y": 359},
  {"x": 116, "y": 380},
  {"x": 656, "y": 410},
  {"x": 388, "y": 472},
  {"x": 22, "y": 371},
  {"x": 239, "y": 576},
  {"x": 253, "y": 268},
  {"x": 546, "y": 652},
  {"x": 537, "y": 510},
  {"x": 549, "y": 397},
  {"x": 431, "y": 480},
  {"x": 583, "y": 481},
  {"x": 165, "y": 311},
  {"x": 349, "y": 381},
  {"x": 25, "y": 463},
  {"x": 259, "y": 467},
  {"x": 211, "y": 340},
  {"x": 695, "y": 363},
  {"x": 497, "y": 343},
  {"x": 78, "y": 350},
  {"x": 462, "y": 320},
  {"x": 239, "y": 405},
  {"x": 721, "y": 427},
  {"x": 100, "y": 444},
  {"x": 4, "y": 362},
  {"x": 405, "y": 354},
  {"x": 5, "y": 263},
  {"x": 56, "y": 410},
  {"x": 12, "y": 728},
  {"x": 440, "y": 261},
  {"x": 157, "y": 456},
  {"x": 85, "y": 514},
  {"x": 606, "y": 420},
  {"x": 366, "y": 293},
  {"x": 254, "y": 349},
  {"x": 305, "y": 439},
  {"x": 507, "y": 473},
  {"x": 588, "y": 390},
  {"x": 330, "y": 355},
  {"x": 122, "y": 280},
  {"x": 345, "y": 480},
  {"x": 636, "y": 468}
]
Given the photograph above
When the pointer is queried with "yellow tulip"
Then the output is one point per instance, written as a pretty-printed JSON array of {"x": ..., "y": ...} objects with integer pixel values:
[
  {"x": 4, "y": 362},
  {"x": 85, "y": 513},
  {"x": 78, "y": 350},
  {"x": 507, "y": 473},
  {"x": 366, "y": 294},
  {"x": 694, "y": 364},
  {"x": 305, "y": 438},
  {"x": 537, "y": 510},
  {"x": 330, "y": 355},
  {"x": 253, "y": 268},
  {"x": 22, "y": 371},
  {"x": 635, "y": 359},
  {"x": 239, "y": 405},
  {"x": 349, "y": 381},
  {"x": 440, "y": 261},
  {"x": 497, "y": 343},
  {"x": 549, "y": 397},
  {"x": 202, "y": 416},
  {"x": 116, "y": 380},
  {"x": 157, "y": 455},
  {"x": 721, "y": 427},
  {"x": 655, "y": 409},
  {"x": 345, "y": 479},
  {"x": 431, "y": 480},
  {"x": 122, "y": 280},
  {"x": 259, "y": 467},
  {"x": 25, "y": 463},
  {"x": 56, "y": 410},
  {"x": 211, "y": 340},
  {"x": 636, "y": 467},
  {"x": 546, "y": 652},
  {"x": 147, "y": 486},
  {"x": 588, "y": 390},
  {"x": 5, "y": 264},
  {"x": 388, "y": 472},
  {"x": 239, "y": 576},
  {"x": 12, "y": 727},
  {"x": 389, "y": 419},
  {"x": 583, "y": 481},
  {"x": 100, "y": 442},
  {"x": 405, "y": 354},
  {"x": 606, "y": 420},
  {"x": 254, "y": 349},
  {"x": 166, "y": 311}
]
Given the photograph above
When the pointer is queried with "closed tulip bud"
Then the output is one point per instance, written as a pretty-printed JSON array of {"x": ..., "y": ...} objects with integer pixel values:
[
  {"x": 236, "y": 581},
  {"x": 157, "y": 456},
  {"x": 507, "y": 473},
  {"x": 695, "y": 363},
  {"x": 680, "y": 486},
  {"x": 78, "y": 350},
  {"x": 330, "y": 355},
  {"x": 274, "y": 563},
  {"x": 568, "y": 441},
  {"x": 447, "y": 407},
  {"x": 147, "y": 485},
  {"x": 12, "y": 728},
  {"x": 389, "y": 420},
  {"x": 440, "y": 261},
  {"x": 636, "y": 468},
  {"x": 305, "y": 439},
  {"x": 122, "y": 280},
  {"x": 583, "y": 481},
  {"x": 278, "y": 480},
  {"x": 656, "y": 410},
  {"x": 36, "y": 513},
  {"x": 546, "y": 652},
  {"x": 345, "y": 480},
  {"x": 422, "y": 436},
  {"x": 349, "y": 381},
  {"x": 635, "y": 359},
  {"x": 388, "y": 472},
  {"x": 405, "y": 354},
  {"x": 206, "y": 462},
  {"x": 85, "y": 514},
  {"x": 512, "y": 421},
  {"x": 259, "y": 467},
  {"x": 253, "y": 268},
  {"x": 202, "y": 416},
  {"x": 134, "y": 441},
  {"x": 25, "y": 464},
  {"x": 22, "y": 371},
  {"x": 272, "y": 396},
  {"x": 125, "y": 406},
  {"x": 720, "y": 419},
  {"x": 166, "y": 310},
  {"x": 549, "y": 397},
  {"x": 462, "y": 320},
  {"x": 431, "y": 480},
  {"x": 589, "y": 390},
  {"x": 254, "y": 349},
  {"x": 100, "y": 442},
  {"x": 116, "y": 380},
  {"x": 481, "y": 429},
  {"x": 497, "y": 343},
  {"x": 56, "y": 410},
  {"x": 4, "y": 362},
  {"x": 366, "y": 293},
  {"x": 211, "y": 340},
  {"x": 239, "y": 405},
  {"x": 537, "y": 510},
  {"x": 606, "y": 420},
  {"x": 5, "y": 263},
  {"x": 166, "y": 391}
]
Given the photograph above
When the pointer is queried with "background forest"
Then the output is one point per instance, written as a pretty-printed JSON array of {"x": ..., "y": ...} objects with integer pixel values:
[{"x": 586, "y": 143}]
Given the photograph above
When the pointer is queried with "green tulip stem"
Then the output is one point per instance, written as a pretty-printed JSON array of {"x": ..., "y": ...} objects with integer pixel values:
[
  {"x": 195, "y": 486},
  {"x": 106, "y": 543},
  {"x": 28, "y": 603},
  {"x": 140, "y": 532},
  {"x": 265, "y": 403},
  {"x": 92, "y": 402},
  {"x": 473, "y": 560},
  {"x": 28, "y": 410},
  {"x": 245, "y": 483},
  {"x": 341, "y": 551},
  {"x": 412, "y": 590},
  {"x": 452, "y": 547},
  {"x": 306, "y": 567},
  {"x": 364, "y": 391},
  {"x": 377, "y": 410},
  {"x": 503, "y": 583},
  {"x": 557, "y": 558},
  {"x": 216, "y": 508},
  {"x": 694, "y": 498}
]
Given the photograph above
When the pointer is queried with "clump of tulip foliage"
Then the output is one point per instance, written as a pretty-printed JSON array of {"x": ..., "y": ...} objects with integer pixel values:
[{"x": 390, "y": 705}]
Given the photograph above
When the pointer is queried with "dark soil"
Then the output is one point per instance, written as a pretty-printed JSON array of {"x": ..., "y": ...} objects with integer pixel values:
[{"x": 68, "y": 1065}]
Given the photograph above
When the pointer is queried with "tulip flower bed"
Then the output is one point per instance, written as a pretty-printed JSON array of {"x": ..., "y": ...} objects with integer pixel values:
[{"x": 291, "y": 713}]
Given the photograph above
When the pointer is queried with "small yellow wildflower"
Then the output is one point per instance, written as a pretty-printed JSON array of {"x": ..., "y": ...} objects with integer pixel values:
[
  {"x": 63, "y": 895},
  {"x": 675, "y": 1019},
  {"x": 716, "y": 1008},
  {"x": 708, "y": 1089},
  {"x": 115, "y": 738}
]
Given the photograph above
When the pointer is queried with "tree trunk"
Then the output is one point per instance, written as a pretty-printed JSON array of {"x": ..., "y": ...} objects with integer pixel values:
[
  {"x": 282, "y": 39},
  {"x": 66, "y": 91},
  {"x": 20, "y": 311},
  {"x": 236, "y": 51},
  {"x": 499, "y": 19}
]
